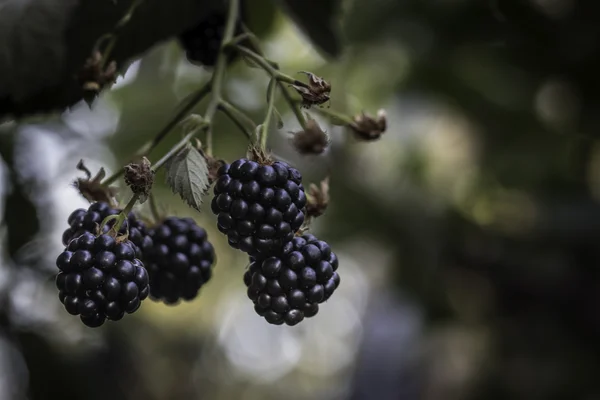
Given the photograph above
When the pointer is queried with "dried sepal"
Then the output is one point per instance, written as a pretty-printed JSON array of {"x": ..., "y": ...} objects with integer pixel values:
[
  {"x": 93, "y": 77},
  {"x": 367, "y": 127},
  {"x": 261, "y": 156},
  {"x": 312, "y": 140},
  {"x": 91, "y": 188},
  {"x": 140, "y": 178},
  {"x": 317, "y": 199},
  {"x": 213, "y": 163},
  {"x": 316, "y": 92}
]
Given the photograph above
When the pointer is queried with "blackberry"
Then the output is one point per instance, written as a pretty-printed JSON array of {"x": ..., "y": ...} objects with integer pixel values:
[
  {"x": 202, "y": 42},
  {"x": 100, "y": 278},
  {"x": 180, "y": 261},
  {"x": 82, "y": 221},
  {"x": 289, "y": 287},
  {"x": 259, "y": 207}
]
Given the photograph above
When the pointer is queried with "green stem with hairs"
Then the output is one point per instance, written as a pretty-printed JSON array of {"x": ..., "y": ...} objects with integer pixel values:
[
  {"x": 239, "y": 118},
  {"x": 114, "y": 231},
  {"x": 148, "y": 147},
  {"x": 219, "y": 75},
  {"x": 334, "y": 115},
  {"x": 281, "y": 79},
  {"x": 215, "y": 85},
  {"x": 270, "y": 109}
]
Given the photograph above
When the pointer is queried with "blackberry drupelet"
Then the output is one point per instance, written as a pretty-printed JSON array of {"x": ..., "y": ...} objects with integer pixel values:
[
  {"x": 202, "y": 42},
  {"x": 259, "y": 207},
  {"x": 89, "y": 220},
  {"x": 180, "y": 261},
  {"x": 100, "y": 278},
  {"x": 289, "y": 287}
]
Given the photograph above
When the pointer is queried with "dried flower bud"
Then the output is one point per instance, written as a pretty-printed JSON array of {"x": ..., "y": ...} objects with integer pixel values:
[
  {"x": 140, "y": 177},
  {"x": 91, "y": 188},
  {"x": 93, "y": 78},
  {"x": 312, "y": 140},
  {"x": 316, "y": 92},
  {"x": 317, "y": 199},
  {"x": 369, "y": 128}
]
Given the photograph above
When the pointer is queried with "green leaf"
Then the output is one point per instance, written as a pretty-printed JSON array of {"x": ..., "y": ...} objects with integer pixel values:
[
  {"x": 318, "y": 20},
  {"x": 187, "y": 175}
]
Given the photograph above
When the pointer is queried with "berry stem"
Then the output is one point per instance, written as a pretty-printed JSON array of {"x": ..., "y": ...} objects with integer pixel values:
[
  {"x": 219, "y": 74},
  {"x": 239, "y": 118},
  {"x": 335, "y": 116},
  {"x": 180, "y": 145},
  {"x": 123, "y": 215},
  {"x": 148, "y": 147},
  {"x": 281, "y": 78},
  {"x": 264, "y": 132}
]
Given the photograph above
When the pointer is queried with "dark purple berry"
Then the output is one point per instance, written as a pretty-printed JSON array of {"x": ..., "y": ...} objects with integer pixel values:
[
  {"x": 99, "y": 280},
  {"x": 289, "y": 287},
  {"x": 180, "y": 262},
  {"x": 259, "y": 207}
]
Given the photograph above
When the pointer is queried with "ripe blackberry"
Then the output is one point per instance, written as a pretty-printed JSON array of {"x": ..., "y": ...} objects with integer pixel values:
[
  {"x": 202, "y": 42},
  {"x": 289, "y": 287},
  {"x": 82, "y": 221},
  {"x": 100, "y": 278},
  {"x": 180, "y": 261},
  {"x": 259, "y": 207}
]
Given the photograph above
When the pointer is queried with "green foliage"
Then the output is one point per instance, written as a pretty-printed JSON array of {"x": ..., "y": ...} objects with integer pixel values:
[{"x": 187, "y": 175}]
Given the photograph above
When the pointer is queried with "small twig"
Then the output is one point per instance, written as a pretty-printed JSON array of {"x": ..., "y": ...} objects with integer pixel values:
[
  {"x": 219, "y": 74},
  {"x": 270, "y": 109},
  {"x": 240, "y": 119},
  {"x": 175, "y": 149},
  {"x": 281, "y": 78},
  {"x": 347, "y": 120},
  {"x": 123, "y": 215}
]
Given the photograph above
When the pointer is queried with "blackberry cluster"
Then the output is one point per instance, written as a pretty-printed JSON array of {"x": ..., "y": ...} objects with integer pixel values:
[
  {"x": 100, "y": 278},
  {"x": 82, "y": 221},
  {"x": 259, "y": 207},
  {"x": 180, "y": 261},
  {"x": 202, "y": 42},
  {"x": 289, "y": 287}
]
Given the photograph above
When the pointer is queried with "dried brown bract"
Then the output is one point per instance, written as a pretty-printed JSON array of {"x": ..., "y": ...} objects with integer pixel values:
[
  {"x": 91, "y": 188},
  {"x": 93, "y": 77},
  {"x": 369, "y": 128},
  {"x": 317, "y": 199},
  {"x": 316, "y": 92},
  {"x": 140, "y": 178},
  {"x": 312, "y": 140}
]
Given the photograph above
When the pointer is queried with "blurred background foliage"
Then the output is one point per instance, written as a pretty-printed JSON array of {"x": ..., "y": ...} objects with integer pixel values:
[{"x": 467, "y": 235}]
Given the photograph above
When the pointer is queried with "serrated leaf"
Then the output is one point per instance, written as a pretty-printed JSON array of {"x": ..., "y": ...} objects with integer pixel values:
[{"x": 187, "y": 175}]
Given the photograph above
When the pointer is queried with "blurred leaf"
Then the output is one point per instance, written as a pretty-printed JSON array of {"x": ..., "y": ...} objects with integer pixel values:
[
  {"x": 319, "y": 20},
  {"x": 260, "y": 17},
  {"x": 187, "y": 175},
  {"x": 20, "y": 214}
]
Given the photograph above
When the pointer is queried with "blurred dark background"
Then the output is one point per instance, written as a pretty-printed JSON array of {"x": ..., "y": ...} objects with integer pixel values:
[{"x": 467, "y": 236}]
